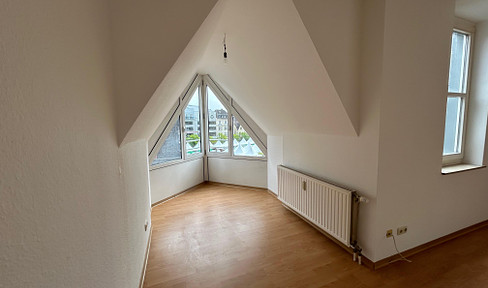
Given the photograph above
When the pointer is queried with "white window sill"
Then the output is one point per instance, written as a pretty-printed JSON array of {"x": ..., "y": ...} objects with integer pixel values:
[{"x": 460, "y": 168}]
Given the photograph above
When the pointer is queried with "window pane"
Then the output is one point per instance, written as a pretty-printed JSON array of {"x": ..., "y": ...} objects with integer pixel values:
[
  {"x": 192, "y": 125},
  {"x": 243, "y": 143},
  {"x": 217, "y": 124},
  {"x": 458, "y": 68},
  {"x": 171, "y": 149},
  {"x": 454, "y": 124}
]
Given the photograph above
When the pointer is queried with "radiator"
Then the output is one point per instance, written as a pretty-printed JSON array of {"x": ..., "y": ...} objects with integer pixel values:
[{"x": 324, "y": 204}]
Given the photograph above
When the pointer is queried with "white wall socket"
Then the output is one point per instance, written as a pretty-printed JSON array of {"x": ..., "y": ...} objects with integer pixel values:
[{"x": 401, "y": 230}]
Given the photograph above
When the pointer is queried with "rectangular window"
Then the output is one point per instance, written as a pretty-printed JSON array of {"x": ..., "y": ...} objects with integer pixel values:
[
  {"x": 192, "y": 125},
  {"x": 458, "y": 68},
  {"x": 218, "y": 134},
  {"x": 457, "y": 97}
]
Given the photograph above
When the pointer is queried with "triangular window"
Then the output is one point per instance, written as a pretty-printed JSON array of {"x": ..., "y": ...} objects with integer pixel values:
[
  {"x": 171, "y": 148},
  {"x": 223, "y": 130},
  {"x": 243, "y": 143}
]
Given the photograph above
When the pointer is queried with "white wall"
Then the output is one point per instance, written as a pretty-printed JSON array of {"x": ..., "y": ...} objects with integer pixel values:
[
  {"x": 258, "y": 79},
  {"x": 411, "y": 189},
  {"x": 135, "y": 180},
  {"x": 273, "y": 70},
  {"x": 351, "y": 161},
  {"x": 338, "y": 44},
  {"x": 275, "y": 158},
  {"x": 170, "y": 180},
  {"x": 238, "y": 172},
  {"x": 64, "y": 214},
  {"x": 478, "y": 100}
]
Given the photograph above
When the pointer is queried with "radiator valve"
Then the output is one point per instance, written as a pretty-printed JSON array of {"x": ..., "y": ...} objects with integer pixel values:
[{"x": 363, "y": 199}]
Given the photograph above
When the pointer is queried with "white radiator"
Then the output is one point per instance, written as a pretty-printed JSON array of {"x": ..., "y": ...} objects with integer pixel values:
[{"x": 325, "y": 205}]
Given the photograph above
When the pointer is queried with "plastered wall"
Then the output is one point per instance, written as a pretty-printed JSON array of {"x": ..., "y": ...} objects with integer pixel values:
[
  {"x": 134, "y": 170},
  {"x": 170, "y": 180},
  {"x": 243, "y": 172},
  {"x": 478, "y": 99},
  {"x": 351, "y": 160},
  {"x": 335, "y": 29},
  {"x": 275, "y": 158},
  {"x": 411, "y": 189},
  {"x": 65, "y": 213}
]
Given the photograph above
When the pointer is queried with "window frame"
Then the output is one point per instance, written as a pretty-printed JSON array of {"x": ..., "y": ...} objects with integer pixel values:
[
  {"x": 229, "y": 104},
  {"x": 200, "y": 83},
  {"x": 183, "y": 128},
  {"x": 233, "y": 117},
  {"x": 178, "y": 113},
  {"x": 170, "y": 127},
  {"x": 457, "y": 158},
  {"x": 222, "y": 99}
]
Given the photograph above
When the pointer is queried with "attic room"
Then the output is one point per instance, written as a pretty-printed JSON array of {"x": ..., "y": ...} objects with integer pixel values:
[{"x": 113, "y": 173}]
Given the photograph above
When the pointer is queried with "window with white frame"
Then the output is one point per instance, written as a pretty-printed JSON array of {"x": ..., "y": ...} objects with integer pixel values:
[
  {"x": 243, "y": 144},
  {"x": 218, "y": 132},
  {"x": 457, "y": 97},
  {"x": 206, "y": 115},
  {"x": 171, "y": 148},
  {"x": 193, "y": 133}
]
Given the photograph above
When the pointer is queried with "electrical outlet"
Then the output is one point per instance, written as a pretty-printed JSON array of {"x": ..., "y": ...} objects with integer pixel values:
[
  {"x": 389, "y": 233},
  {"x": 401, "y": 230}
]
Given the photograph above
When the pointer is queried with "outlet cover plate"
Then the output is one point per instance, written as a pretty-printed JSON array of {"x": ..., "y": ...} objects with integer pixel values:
[{"x": 401, "y": 230}]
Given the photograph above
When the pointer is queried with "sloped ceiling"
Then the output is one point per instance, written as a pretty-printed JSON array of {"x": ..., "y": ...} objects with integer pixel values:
[
  {"x": 335, "y": 29},
  {"x": 473, "y": 10},
  {"x": 148, "y": 37},
  {"x": 274, "y": 71}
]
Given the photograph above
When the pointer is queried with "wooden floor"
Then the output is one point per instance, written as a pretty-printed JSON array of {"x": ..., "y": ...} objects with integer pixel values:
[{"x": 225, "y": 236}]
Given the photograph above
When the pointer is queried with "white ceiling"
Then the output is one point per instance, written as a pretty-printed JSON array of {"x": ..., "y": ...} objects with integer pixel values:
[
  {"x": 274, "y": 71},
  {"x": 473, "y": 10}
]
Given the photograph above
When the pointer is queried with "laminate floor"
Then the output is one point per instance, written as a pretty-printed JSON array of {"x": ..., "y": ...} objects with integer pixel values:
[{"x": 227, "y": 236}]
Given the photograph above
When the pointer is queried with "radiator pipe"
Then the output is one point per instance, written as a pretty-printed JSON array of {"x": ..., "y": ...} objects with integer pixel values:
[
  {"x": 356, "y": 199},
  {"x": 354, "y": 218}
]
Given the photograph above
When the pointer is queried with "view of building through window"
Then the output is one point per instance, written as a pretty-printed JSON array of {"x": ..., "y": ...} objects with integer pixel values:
[
  {"x": 192, "y": 125},
  {"x": 171, "y": 149},
  {"x": 222, "y": 134},
  {"x": 218, "y": 125}
]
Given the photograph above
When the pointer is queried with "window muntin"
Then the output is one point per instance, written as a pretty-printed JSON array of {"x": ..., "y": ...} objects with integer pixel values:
[
  {"x": 243, "y": 144},
  {"x": 458, "y": 91},
  {"x": 193, "y": 133},
  {"x": 171, "y": 148},
  {"x": 218, "y": 126}
]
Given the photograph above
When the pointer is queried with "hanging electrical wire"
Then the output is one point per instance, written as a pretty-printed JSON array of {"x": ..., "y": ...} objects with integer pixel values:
[
  {"x": 402, "y": 258},
  {"x": 224, "y": 42}
]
